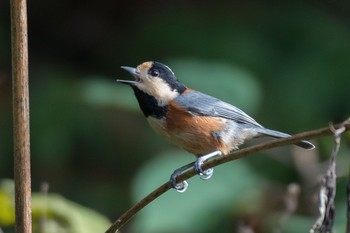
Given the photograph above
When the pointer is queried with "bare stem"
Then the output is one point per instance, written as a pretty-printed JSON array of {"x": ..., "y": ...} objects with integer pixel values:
[
  {"x": 120, "y": 222},
  {"x": 21, "y": 116},
  {"x": 348, "y": 204}
]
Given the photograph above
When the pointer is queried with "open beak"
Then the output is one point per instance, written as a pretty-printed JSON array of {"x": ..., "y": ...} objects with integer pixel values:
[{"x": 133, "y": 72}]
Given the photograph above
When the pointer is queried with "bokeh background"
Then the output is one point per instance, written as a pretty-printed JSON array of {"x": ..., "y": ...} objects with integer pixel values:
[{"x": 286, "y": 63}]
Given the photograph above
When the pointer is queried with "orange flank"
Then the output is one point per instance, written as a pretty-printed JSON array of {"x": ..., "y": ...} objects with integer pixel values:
[{"x": 196, "y": 134}]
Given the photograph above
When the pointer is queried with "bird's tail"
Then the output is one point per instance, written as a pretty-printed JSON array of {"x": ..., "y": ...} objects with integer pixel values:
[{"x": 276, "y": 134}]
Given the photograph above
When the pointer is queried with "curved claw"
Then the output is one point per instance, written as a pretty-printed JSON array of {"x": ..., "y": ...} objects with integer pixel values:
[
  {"x": 206, "y": 174},
  {"x": 180, "y": 187}
]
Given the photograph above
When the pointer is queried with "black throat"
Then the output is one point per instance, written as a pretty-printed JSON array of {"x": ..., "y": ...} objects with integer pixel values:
[{"x": 149, "y": 104}]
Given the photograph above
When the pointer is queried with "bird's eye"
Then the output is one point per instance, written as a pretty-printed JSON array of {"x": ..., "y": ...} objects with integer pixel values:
[{"x": 154, "y": 73}]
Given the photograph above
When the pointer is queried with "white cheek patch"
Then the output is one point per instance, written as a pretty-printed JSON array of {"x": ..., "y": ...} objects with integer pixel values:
[{"x": 159, "y": 89}]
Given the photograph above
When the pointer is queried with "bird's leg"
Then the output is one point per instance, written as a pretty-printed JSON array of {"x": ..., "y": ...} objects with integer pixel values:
[
  {"x": 206, "y": 174},
  {"x": 180, "y": 187}
]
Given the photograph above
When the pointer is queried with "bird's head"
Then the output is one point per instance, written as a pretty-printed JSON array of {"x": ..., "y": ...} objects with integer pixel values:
[{"x": 155, "y": 79}]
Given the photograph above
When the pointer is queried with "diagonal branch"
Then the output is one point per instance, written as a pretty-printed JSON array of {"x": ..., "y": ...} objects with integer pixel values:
[{"x": 122, "y": 220}]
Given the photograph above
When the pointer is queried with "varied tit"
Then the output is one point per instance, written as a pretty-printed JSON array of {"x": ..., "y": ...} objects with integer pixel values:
[{"x": 201, "y": 124}]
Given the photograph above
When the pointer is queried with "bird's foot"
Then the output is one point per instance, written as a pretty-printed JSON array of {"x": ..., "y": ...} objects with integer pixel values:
[
  {"x": 205, "y": 174},
  {"x": 180, "y": 187}
]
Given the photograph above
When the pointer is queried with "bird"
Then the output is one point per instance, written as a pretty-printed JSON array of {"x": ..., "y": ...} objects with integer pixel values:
[{"x": 199, "y": 123}]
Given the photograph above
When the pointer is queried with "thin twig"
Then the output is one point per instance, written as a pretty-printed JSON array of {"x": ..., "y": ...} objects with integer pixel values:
[
  {"x": 348, "y": 204},
  {"x": 21, "y": 116},
  {"x": 325, "y": 221},
  {"x": 220, "y": 160}
]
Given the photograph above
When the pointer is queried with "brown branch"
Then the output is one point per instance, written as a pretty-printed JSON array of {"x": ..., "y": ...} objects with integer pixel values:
[
  {"x": 220, "y": 160},
  {"x": 328, "y": 189},
  {"x": 348, "y": 204},
  {"x": 21, "y": 116}
]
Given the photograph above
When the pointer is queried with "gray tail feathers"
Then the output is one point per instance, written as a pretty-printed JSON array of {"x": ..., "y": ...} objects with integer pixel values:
[{"x": 276, "y": 134}]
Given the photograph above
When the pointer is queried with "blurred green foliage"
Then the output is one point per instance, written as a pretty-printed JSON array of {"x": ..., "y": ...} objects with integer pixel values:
[
  {"x": 286, "y": 64},
  {"x": 227, "y": 193},
  {"x": 7, "y": 208},
  {"x": 51, "y": 213}
]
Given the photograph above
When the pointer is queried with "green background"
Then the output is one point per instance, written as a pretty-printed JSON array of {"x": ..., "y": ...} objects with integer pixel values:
[{"x": 285, "y": 63}]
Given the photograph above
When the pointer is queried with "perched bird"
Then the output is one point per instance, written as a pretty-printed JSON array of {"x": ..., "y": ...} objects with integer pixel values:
[{"x": 201, "y": 124}]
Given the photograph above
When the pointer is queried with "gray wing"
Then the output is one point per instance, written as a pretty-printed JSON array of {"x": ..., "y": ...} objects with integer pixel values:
[{"x": 201, "y": 104}]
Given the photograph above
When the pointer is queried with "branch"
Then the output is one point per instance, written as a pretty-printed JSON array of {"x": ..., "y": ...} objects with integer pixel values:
[
  {"x": 328, "y": 189},
  {"x": 220, "y": 160},
  {"x": 348, "y": 205},
  {"x": 21, "y": 116}
]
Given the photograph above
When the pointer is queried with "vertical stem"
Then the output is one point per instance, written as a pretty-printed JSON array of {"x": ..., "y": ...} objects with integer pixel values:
[
  {"x": 348, "y": 205},
  {"x": 21, "y": 116}
]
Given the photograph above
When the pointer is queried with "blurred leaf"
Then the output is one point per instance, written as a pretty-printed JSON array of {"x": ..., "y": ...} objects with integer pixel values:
[
  {"x": 53, "y": 213},
  {"x": 225, "y": 81},
  {"x": 7, "y": 207},
  {"x": 100, "y": 92},
  {"x": 7, "y": 210},
  {"x": 233, "y": 188}
]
